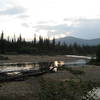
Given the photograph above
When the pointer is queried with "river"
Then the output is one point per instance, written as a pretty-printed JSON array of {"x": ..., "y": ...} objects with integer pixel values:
[
  {"x": 28, "y": 66},
  {"x": 79, "y": 62},
  {"x": 18, "y": 67}
]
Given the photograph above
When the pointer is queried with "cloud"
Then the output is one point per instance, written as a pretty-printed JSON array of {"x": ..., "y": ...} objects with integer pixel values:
[
  {"x": 12, "y": 11},
  {"x": 87, "y": 28},
  {"x": 60, "y": 27},
  {"x": 42, "y": 22},
  {"x": 83, "y": 28},
  {"x": 59, "y": 30},
  {"x": 25, "y": 25},
  {"x": 22, "y": 16},
  {"x": 5, "y": 3},
  {"x": 46, "y": 22}
]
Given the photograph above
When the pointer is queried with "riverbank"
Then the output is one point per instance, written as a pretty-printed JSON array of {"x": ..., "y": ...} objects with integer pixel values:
[
  {"x": 31, "y": 58},
  {"x": 20, "y": 90},
  {"x": 29, "y": 88}
]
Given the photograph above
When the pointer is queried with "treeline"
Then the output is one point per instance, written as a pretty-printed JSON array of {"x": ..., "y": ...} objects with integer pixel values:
[{"x": 41, "y": 46}]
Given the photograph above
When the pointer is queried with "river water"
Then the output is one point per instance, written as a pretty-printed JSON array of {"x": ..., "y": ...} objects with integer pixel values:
[
  {"x": 78, "y": 62},
  {"x": 18, "y": 67},
  {"x": 82, "y": 60},
  {"x": 35, "y": 66}
]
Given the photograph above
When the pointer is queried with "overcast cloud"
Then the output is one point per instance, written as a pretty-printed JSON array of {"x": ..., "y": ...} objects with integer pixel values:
[
  {"x": 83, "y": 28},
  {"x": 59, "y": 18},
  {"x": 12, "y": 11}
]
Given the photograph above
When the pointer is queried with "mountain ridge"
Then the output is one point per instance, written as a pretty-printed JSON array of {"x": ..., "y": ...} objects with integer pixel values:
[{"x": 71, "y": 40}]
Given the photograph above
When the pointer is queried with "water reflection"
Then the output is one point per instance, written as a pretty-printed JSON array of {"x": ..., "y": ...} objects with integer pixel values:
[
  {"x": 16, "y": 68},
  {"x": 14, "y": 73},
  {"x": 77, "y": 62},
  {"x": 97, "y": 91},
  {"x": 94, "y": 94},
  {"x": 36, "y": 66}
]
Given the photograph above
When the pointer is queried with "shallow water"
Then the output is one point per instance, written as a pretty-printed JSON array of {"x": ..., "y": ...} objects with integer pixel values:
[
  {"x": 18, "y": 67},
  {"x": 95, "y": 93},
  {"x": 35, "y": 66},
  {"x": 77, "y": 62}
]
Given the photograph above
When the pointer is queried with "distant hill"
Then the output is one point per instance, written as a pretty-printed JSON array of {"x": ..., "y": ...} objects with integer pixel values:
[{"x": 72, "y": 40}]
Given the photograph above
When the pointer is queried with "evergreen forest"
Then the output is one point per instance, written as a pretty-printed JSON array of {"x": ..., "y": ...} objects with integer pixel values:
[{"x": 42, "y": 46}]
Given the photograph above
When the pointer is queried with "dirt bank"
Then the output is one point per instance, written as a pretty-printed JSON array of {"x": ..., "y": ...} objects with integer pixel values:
[
  {"x": 20, "y": 90},
  {"x": 31, "y": 58},
  {"x": 29, "y": 89}
]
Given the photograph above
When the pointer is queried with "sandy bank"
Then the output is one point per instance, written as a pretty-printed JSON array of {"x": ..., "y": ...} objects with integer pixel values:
[{"x": 31, "y": 58}]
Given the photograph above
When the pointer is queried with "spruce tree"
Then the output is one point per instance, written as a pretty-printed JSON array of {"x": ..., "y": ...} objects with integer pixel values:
[
  {"x": 2, "y": 43},
  {"x": 98, "y": 54}
]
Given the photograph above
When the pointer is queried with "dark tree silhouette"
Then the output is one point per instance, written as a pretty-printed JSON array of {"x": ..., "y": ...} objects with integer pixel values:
[
  {"x": 2, "y": 43},
  {"x": 43, "y": 46},
  {"x": 98, "y": 54}
]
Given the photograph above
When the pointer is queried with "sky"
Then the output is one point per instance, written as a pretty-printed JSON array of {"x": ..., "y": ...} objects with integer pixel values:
[{"x": 50, "y": 18}]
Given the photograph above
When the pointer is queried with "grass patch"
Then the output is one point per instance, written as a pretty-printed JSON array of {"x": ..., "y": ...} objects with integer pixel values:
[
  {"x": 71, "y": 70},
  {"x": 94, "y": 62},
  {"x": 69, "y": 90}
]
